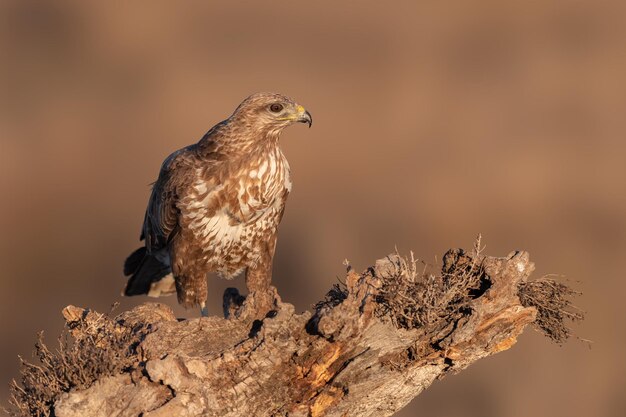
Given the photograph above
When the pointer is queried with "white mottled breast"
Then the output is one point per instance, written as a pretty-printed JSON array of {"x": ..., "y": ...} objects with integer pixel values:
[{"x": 230, "y": 220}]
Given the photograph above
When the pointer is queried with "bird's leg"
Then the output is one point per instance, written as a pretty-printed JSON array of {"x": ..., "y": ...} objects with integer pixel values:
[
  {"x": 258, "y": 278},
  {"x": 261, "y": 295},
  {"x": 204, "y": 311},
  {"x": 191, "y": 288}
]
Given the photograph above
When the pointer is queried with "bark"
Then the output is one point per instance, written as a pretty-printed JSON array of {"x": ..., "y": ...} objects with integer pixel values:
[{"x": 373, "y": 345}]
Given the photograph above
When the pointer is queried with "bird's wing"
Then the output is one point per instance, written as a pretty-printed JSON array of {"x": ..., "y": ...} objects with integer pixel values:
[{"x": 161, "y": 219}]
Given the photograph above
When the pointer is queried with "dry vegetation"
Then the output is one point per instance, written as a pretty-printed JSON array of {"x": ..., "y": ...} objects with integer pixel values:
[
  {"x": 553, "y": 301},
  {"x": 414, "y": 299},
  {"x": 88, "y": 350}
]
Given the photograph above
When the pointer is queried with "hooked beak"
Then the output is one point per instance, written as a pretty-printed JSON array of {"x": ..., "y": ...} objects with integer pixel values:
[{"x": 304, "y": 116}]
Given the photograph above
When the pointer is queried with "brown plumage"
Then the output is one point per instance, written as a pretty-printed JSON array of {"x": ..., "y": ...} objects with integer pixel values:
[{"x": 217, "y": 204}]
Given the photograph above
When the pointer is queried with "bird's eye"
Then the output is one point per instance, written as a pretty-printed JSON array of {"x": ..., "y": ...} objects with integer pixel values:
[{"x": 276, "y": 107}]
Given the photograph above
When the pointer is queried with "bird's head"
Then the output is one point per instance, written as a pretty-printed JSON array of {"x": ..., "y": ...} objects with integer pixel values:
[{"x": 270, "y": 113}]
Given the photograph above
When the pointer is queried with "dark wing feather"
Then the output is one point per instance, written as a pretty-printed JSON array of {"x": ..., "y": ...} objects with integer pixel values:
[{"x": 161, "y": 219}]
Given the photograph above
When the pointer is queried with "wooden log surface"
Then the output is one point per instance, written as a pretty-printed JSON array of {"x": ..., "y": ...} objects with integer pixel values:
[{"x": 374, "y": 344}]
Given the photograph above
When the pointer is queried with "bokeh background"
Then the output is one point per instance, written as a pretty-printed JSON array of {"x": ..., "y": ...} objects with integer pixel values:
[{"x": 434, "y": 121}]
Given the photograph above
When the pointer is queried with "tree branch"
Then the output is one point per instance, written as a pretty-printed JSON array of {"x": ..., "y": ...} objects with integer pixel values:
[{"x": 370, "y": 347}]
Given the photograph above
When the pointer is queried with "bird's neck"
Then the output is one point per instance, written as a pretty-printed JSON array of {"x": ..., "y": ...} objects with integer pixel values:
[{"x": 232, "y": 140}]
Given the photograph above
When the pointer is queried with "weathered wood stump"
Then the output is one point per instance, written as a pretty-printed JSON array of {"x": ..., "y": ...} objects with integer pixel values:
[{"x": 367, "y": 350}]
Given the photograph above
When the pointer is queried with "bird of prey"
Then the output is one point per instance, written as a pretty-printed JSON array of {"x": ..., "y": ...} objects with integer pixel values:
[{"x": 216, "y": 206}]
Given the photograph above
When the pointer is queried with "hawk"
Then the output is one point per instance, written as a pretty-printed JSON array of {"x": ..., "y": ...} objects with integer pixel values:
[{"x": 216, "y": 206}]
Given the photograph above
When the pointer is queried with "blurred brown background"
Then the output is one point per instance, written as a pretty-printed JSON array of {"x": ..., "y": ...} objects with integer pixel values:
[{"x": 434, "y": 121}]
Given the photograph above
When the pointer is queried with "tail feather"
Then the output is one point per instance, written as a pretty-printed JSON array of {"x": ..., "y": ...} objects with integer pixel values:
[
  {"x": 144, "y": 269},
  {"x": 133, "y": 262}
]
